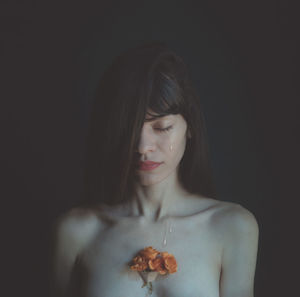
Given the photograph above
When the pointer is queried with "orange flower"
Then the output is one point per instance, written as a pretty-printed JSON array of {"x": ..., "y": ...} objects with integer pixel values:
[
  {"x": 169, "y": 262},
  {"x": 149, "y": 259},
  {"x": 139, "y": 264},
  {"x": 149, "y": 253},
  {"x": 158, "y": 265}
]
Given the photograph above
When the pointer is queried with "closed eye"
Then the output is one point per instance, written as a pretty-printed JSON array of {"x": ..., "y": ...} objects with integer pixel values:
[{"x": 164, "y": 129}]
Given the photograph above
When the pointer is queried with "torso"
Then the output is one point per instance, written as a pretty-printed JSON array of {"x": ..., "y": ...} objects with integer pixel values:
[{"x": 195, "y": 242}]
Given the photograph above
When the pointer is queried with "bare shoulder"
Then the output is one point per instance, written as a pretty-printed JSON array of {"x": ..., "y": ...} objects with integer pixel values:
[
  {"x": 225, "y": 216},
  {"x": 233, "y": 218},
  {"x": 76, "y": 218},
  {"x": 76, "y": 226}
]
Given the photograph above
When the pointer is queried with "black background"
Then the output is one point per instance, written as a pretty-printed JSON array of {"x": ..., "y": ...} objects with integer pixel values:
[{"x": 242, "y": 57}]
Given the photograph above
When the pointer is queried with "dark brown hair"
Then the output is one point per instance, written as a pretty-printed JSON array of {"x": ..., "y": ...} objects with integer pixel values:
[{"x": 148, "y": 77}]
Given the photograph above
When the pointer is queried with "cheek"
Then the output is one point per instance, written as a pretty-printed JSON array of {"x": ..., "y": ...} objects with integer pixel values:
[
  {"x": 180, "y": 149},
  {"x": 174, "y": 147}
]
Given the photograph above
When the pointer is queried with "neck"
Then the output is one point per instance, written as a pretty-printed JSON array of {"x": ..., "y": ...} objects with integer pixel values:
[{"x": 159, "y": 200}]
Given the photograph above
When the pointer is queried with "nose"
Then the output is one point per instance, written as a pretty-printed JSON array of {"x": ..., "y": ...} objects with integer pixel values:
[{"x": 146, "y": 142}]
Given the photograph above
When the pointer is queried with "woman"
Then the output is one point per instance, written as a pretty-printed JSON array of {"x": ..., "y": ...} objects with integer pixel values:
[{"x": 149, "y": 184}]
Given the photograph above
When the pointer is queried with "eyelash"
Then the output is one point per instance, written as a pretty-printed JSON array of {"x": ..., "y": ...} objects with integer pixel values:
[{"x": 164, "y": 129}]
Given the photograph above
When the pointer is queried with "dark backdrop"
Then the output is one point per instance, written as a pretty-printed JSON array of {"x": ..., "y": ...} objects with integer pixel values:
[{"x": 242, "y": 56}]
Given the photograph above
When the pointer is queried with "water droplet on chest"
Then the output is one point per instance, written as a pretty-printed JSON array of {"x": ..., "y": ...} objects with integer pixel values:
[{"x": 164, "y": 241}]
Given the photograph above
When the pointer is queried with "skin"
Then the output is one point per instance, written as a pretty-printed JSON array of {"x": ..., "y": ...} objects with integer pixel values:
[{"x": 214, "y": 242}]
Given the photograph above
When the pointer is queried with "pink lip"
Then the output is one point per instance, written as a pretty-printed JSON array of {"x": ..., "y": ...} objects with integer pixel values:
[{"x": 148, "y": 165}]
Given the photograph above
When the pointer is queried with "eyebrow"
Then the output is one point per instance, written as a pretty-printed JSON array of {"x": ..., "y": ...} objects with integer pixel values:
[{"x": 157, "y": 118}]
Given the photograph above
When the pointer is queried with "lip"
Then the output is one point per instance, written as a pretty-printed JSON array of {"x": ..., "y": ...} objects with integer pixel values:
[{"x": 148, "y": 165}]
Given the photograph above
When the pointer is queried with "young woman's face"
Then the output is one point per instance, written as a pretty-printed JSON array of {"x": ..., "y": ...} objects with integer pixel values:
[{"x": 162, "y": 141}]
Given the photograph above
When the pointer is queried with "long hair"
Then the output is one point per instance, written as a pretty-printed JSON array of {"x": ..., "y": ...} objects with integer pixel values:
[{"x": 148, "y": 77}]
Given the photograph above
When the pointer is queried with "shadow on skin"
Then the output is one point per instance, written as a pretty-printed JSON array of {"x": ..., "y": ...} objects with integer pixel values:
[{"x": 77, "y": 280}]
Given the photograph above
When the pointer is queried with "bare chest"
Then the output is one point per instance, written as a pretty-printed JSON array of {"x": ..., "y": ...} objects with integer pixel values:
[{"x": 194, "y": 245}]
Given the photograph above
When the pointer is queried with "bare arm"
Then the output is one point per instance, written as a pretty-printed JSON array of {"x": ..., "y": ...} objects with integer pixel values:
[
  {"x": 71, "y": 233},
  {"x": 239, "y": 253}
]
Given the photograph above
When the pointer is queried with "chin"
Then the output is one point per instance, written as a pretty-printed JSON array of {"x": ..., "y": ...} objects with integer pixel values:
[
  {"x": 151, "y": 180},
  {"x": 149, "y": 183}
]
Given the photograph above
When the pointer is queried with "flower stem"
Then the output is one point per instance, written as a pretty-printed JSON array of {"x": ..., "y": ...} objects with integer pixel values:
[{"x": 150, "y": 288}]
